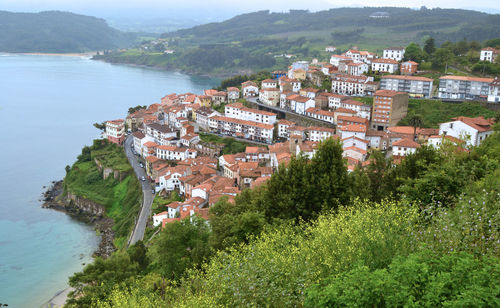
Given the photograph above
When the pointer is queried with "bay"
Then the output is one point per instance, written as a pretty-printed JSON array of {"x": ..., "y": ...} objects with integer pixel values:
[{"x": 47, "y": 107}]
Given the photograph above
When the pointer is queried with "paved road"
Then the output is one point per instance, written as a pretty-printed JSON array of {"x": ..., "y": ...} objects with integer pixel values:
[{"x": 140, "y": 225}]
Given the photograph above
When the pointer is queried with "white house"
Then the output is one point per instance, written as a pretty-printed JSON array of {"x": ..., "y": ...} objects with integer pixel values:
[
  {"x": 269, "y": 83},
  {"x": 284, "y": 128},
  {"x": 158, "y": 218},
  {"x": 385, "y": 65},
  {"x": 300, "y": 104},
  {"x": 437, "y": 141},
  {"x": 270, "y": 96},
  {"x": 330, "y": 49},
  {"x": 317, "y": 133},
  {"x": 335, "y": 60},
  {"x": 362, "y": 110},
  {"x": 353, "y": 68},
  {"x": 239, "y": 111},
  {"x": 489, "y": 54},
  {"x": 395, "y": 53},
  {"x": 472, "y": 130},
  {"x": 352, "y": 130},
  {"x": 249, "y": 88},
  {"x": 293, "y": 85},
  {"x": 494, "y": 91},
  {"x": 323, "y": 115},
  {"x": 404, "y": 147},
  {"x": 233, "y": 93},
  {"x": 355, "y": 142},
  {"x": 171, "y": 212}
]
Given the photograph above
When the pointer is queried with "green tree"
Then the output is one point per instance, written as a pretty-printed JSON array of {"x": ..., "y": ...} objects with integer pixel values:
[
  {"x": 429, "y": 46},
  {"x": 442, "y": 57},
  {"x": 415, "y": 121},
  {"x": 180, "y": 246},
  {"x": 98, "y": 279},
  {"x": 134, "y": 109},
  {"x": 421, "y": 279},
  {"x": 235, "y": 223},
  {"x": 413, "y": 52},
  {"x": 100, "y": 126}
]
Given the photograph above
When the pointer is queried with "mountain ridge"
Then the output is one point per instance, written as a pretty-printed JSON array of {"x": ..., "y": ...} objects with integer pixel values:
[{"x": 58, "y": 32}]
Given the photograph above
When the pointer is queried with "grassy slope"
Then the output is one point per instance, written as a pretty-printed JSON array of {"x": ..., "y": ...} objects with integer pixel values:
[{"x": 121, "y": 199}]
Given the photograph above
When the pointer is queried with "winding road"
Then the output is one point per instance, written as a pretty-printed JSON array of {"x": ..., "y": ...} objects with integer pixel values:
[{"x": 140, "y": 225}]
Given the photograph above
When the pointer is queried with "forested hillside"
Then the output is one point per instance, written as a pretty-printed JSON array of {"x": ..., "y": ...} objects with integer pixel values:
[
  {"x": 57, "y": 32},
  {"x": 350, "y": 25},
  {"x": 260, "y": 40}
]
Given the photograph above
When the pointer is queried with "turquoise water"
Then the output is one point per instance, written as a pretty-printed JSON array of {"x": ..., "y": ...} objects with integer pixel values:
[{"x": 47, "y": 107}]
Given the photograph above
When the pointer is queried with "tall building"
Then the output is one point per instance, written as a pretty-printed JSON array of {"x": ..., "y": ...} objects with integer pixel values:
[
  {"x": 389, "y": 107},
  {"x": 418, "y": 87},
  {"x": 115, "y": 131},
  {"x": 464, "y": 87}
]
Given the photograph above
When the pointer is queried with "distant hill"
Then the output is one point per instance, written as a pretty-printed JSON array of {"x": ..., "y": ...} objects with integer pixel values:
[
  {"x": 59, "y": 32},
  {"x": 350, "y": 25}
]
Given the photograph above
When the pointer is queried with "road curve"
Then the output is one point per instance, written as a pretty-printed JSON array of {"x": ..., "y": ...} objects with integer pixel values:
[{"x": 140, "y": 225}]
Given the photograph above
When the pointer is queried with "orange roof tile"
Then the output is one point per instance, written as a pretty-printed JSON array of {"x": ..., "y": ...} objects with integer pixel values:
[{"x": 406, "y": 143}]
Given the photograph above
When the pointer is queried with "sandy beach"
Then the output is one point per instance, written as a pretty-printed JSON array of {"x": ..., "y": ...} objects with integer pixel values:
[
  {"x": 59, "y": 299},
  {"x": 83, "y": 54}
]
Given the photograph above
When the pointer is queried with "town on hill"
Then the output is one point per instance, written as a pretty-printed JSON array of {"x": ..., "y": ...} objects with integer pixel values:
[{"x": 179, "y": 140}]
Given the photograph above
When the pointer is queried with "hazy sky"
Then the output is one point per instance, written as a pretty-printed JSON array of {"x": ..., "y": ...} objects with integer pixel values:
[{"x": 222, "y": 8}]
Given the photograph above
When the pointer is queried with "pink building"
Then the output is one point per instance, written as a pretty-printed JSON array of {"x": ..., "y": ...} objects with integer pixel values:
[{"x": 115, "y": 131}]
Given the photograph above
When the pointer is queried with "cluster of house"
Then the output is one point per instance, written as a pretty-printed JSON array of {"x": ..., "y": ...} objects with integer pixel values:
[
  {"x": 167, "y": 135},
  {"x": 347, "y": 72}
]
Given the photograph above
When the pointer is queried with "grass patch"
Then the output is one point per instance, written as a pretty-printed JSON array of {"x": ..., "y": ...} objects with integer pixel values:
[
  {"x": 159, "y": 202},
  {"x": 231, "y": 145},
  {"x": 122, "y": 200},
  {"x": 434, "y": 112}
]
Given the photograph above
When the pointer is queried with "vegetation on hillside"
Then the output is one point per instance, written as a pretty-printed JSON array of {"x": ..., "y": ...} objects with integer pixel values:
[
  {"x": 434, "y": 112},
  {"x": 316, "y": 236},
  {"x": 260, "y": 40},
  {"x": 58, "y": 32},
  {"x": 120, "y": 198}
]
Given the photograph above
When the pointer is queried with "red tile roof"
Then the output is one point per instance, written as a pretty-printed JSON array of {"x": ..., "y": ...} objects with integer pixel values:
[
  {"x": 407, "y": 143},
  {"x": 404, "y": 77},
  {"x": 388, "y": 93},
  {"x": 467, "y": 78}
]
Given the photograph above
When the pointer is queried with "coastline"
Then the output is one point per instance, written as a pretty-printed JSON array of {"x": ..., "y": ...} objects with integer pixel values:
[
  {"x": 54, "y": 199},
  {"x": 175, "y": 70},
  {"x": 70, "y": 54},
  {"x": 59, "y": 299}
]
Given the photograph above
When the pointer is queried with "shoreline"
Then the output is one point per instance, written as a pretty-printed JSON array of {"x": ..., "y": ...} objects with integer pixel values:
[
  {"x": 175, "y": 70},
  {"x": 68, "y": 54},
  {"x": 54, "y": 199},
  {"x": 59, "y": 299}
]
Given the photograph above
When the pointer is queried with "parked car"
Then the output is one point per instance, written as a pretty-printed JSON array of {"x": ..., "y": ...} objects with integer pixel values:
[
  {"x": 153, "y": 191},
  {"x": 143, "y": 178},
  {"x": 141, "y": 165}
]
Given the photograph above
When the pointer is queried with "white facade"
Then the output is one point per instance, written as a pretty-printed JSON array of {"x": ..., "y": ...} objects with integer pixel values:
[
  {"x": 463, "y": 131},
  {"x": 250, "y": 90},
  {"x": 355, "y": 142},
  {"x": 270, "y": 96},
  {"x": 269, "y": 84},
  {"x": 171, "y": 153},
  {"x": 301, "y": 105},
  {"x": 394, "y": 53},
  {"x": 384, "y": 67},
  {"x": 320, "y": 134},
  {"x": 489, "y": 54},
  {"x": 494, "y": 91},
  {"x": 402, "y": 150},
  {"x": 238, "y": 111},
  {"x": 158, "y": 218}
]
